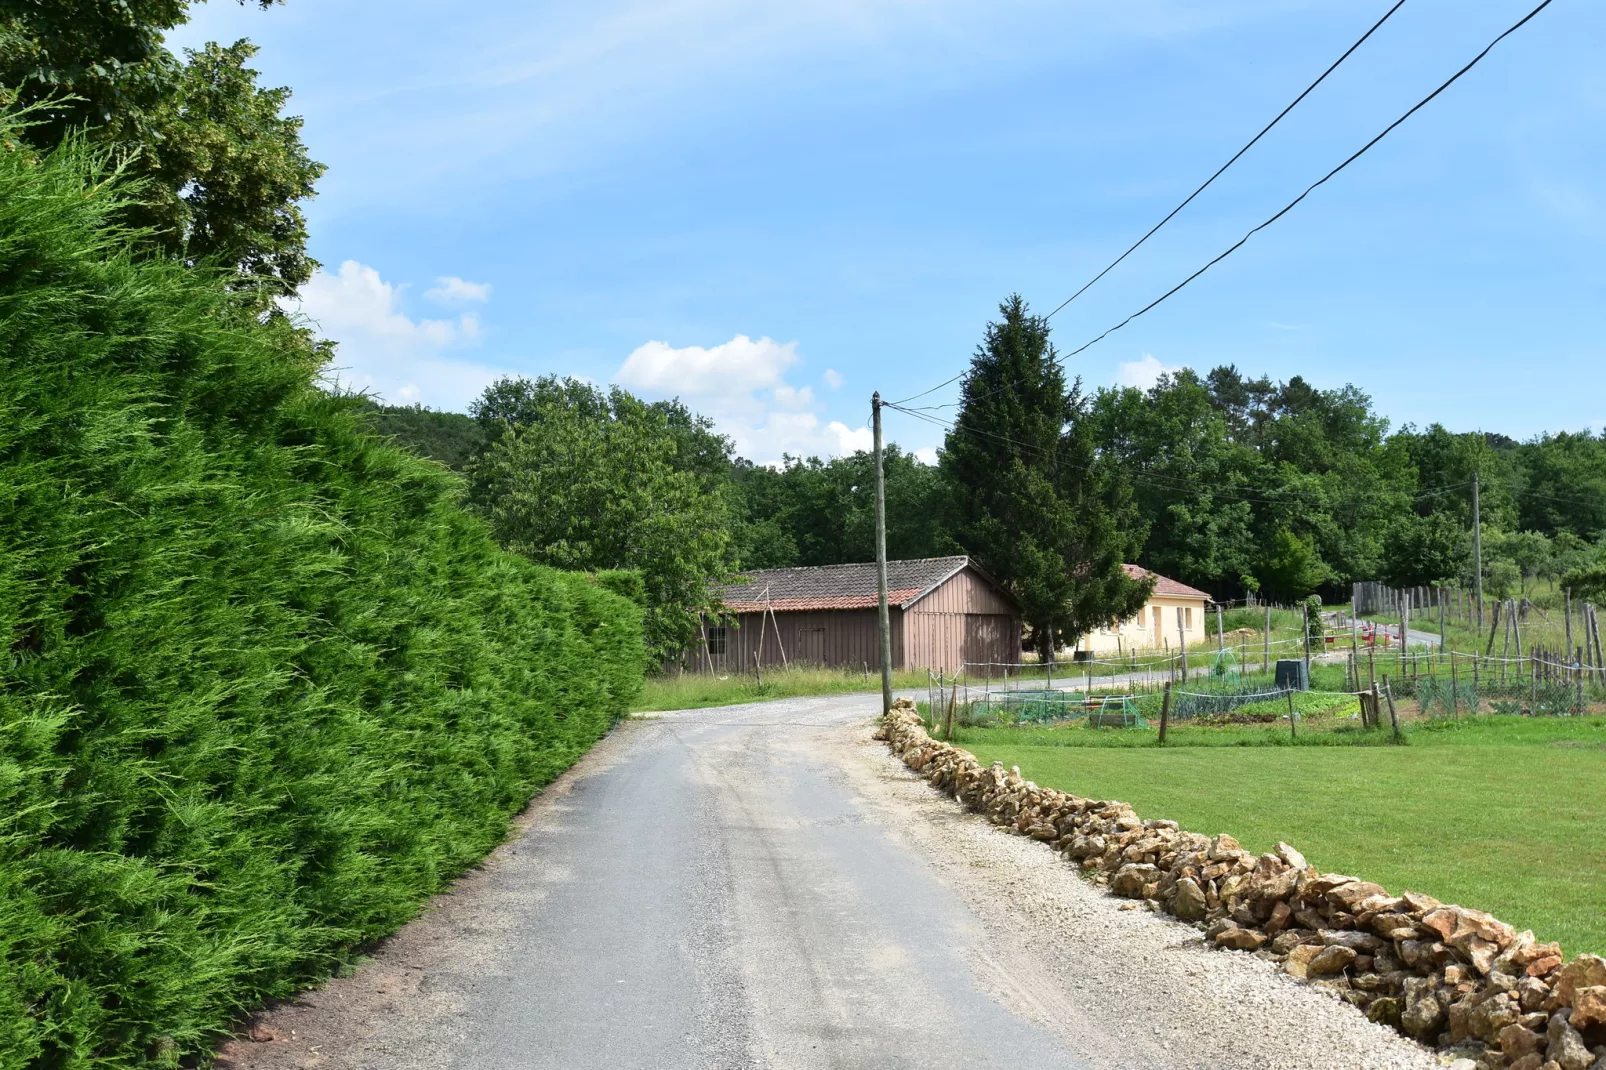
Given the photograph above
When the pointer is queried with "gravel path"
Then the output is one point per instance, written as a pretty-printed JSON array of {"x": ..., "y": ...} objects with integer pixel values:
[{"x": 764, "y": 886}]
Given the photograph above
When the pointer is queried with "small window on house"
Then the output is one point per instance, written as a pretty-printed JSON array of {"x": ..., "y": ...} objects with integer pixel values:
[
  {"x": 716, "y": 640},
  {"x": 1187, "y": 618}
]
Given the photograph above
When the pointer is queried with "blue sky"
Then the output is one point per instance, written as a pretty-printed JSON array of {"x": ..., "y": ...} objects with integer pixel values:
[{"x": 774, "y": 208}]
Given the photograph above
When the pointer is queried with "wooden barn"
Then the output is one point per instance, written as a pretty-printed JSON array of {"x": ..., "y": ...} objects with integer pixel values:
[{"x": 944, "y": 611}]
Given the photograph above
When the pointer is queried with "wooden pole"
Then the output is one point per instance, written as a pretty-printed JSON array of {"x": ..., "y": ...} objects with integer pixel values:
[
  {"x": 1293, "y": 733},
  {"x": 1221, "y": 629},
  {"x": 1579, "y": 677},
  {"x": 885, "y": 614},
  {"x": 1567, "y": 595},
  {"x": 1265, "y": 636},
  {"x": 1455, "y": 689},
  {"x": 1443, "y": 642},
  {"x": 1182, "y": 643},
  {"x": 953, "y": 700},
  {"x": 1477, "y": 555},
  {"x": 758, "y": 671},
  {"x": 1394, "y": 718},
  {"x": 1165, "y": 710}
]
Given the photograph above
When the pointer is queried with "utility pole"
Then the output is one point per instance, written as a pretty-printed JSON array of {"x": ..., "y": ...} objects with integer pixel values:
[
  {"x": 881, "y": 562},
  {"x": 1477, "y": 554}
]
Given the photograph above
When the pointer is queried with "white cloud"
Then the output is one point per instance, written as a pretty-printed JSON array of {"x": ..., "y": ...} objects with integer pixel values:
[
  {"x": 1142, "y": 373},
  {"x": 384, "y": 351},
  {"x": 927, "y": 455},
  {"x": 833, "y": 379},
  {"x": 741, "y": 385},
  {"x": 451, "y": 290}
]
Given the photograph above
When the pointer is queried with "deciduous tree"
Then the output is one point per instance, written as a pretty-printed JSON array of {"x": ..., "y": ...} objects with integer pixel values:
[
  {"x": 579, "y": 478},
  {"x": 221, "y": 171}
]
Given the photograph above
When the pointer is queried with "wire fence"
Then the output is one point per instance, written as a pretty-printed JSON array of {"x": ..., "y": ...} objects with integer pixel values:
[{"x": 1226, "y": 687}]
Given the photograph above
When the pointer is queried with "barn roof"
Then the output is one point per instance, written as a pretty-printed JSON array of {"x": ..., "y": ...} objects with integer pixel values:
[
  {"x": 841, "y": 586},
  {"x": 1164, "y": 585}
]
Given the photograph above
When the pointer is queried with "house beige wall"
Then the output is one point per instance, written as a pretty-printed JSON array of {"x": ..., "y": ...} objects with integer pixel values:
[{"x": 1139, "y": 633}]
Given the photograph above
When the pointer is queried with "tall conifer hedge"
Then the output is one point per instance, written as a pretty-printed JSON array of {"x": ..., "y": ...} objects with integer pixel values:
[{"x": 266, "y": 685}]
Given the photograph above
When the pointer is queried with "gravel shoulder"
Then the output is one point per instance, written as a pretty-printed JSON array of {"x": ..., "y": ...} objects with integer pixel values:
[
  {"x": 765, "y": 886},
  {"x": 1126, "y": 986}
]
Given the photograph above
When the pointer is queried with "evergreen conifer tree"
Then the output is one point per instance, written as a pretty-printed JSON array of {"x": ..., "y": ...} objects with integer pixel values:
[{"x": 1034, "y": 503}]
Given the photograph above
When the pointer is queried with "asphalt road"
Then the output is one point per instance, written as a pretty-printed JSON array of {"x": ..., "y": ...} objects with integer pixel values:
[{"x": 736, "y": 888}]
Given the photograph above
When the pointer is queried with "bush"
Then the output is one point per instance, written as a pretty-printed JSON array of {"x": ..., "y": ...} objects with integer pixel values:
[{"x": 268, "y": 686}]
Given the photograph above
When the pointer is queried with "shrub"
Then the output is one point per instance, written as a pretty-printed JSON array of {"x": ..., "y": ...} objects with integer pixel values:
[{"x": 268, "y": 686}]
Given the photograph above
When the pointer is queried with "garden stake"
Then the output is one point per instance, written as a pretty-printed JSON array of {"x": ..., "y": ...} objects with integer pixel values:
[
  {"x": 1293, "y": 733},
  {"x": 1394, "y": 718},
  {"x": 1165, "y": 711},
  {"x": 948, "y": 723}
]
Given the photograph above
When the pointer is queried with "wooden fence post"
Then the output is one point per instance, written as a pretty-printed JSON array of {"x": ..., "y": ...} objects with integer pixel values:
[
  {"x": 948, "y": 722},
  {"x": 1455, "y": 689},
  {"x": 1293, "y": 733},
  {"x": 1165, "y": 710},
  {"x": 1394, "y": 718}
]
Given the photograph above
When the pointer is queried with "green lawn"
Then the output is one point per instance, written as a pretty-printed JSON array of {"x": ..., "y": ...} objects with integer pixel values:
[
  {"x": 695, "y": 691},
  {"x": 1503, "y": 814}
]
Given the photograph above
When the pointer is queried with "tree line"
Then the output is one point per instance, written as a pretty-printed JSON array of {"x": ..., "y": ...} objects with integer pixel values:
[{"x": 1234, "y": 484}]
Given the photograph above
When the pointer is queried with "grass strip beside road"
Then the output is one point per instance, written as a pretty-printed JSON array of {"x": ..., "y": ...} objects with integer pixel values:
[
  {"x": 696, "y": 691},
  {"x": 1512, "y": 827}
]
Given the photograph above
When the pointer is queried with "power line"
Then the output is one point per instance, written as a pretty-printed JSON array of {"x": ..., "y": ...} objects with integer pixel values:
[
  {"x": 1235, "y": 156},
  {"x": 1285, "y": 209},
  {"x": 1418, "y": 106}
]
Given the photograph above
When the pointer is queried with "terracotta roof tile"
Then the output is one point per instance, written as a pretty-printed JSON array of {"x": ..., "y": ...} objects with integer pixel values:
[
  {"x": 836, "y": 586},
  {"x": 1164, "y": 585}
]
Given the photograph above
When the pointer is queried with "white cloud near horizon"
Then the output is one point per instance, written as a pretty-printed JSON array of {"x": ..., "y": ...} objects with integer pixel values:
[
  {"x": 383, "y": 351},
  {"x": 1143, "y": 373},
  {"x": 742, "y": 386},
  {"x": 833, "y": 379},
  {"x": 451, "y": 290}
]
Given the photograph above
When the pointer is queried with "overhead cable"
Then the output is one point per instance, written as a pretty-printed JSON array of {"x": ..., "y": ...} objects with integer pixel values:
[
  {"x": 1235, "y": 156},
  {"x": 1418, "y": 106}
]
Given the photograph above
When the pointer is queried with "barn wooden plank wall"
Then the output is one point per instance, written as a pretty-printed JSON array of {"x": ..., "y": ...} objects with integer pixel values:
[
  {"x": 964, "y": 619},
  {"x": 842, "y": 638}
]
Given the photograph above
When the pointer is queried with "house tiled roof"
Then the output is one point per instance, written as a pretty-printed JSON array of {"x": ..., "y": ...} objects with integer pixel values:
[
  {"x": 836, "y": 586},
  {"x": 1164, "y": 585}
]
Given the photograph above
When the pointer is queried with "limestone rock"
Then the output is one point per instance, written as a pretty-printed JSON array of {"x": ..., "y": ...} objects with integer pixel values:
[
  {"x": 1360, "y": 943},
  {"x": 1565, "y": 1046},
  {"x": 1585, "y": 971},
  {"x": 1491, "y": 1016},
  {"x": 1240, "y": 939},
  {"x": 1424, "y": 1015},
  {"x": 1516, "y": 1041},
  {"x": 1385, "y": 1010},
  {"x": 1334, "y": 958},
  {"x": 1291, "y": 856},
  {"x": 1278, "y": 920},
  {"x": 1189, "y": 904},
  {"x": 1130, "y": 879},
  {"x": 1589, "y": 1006}
]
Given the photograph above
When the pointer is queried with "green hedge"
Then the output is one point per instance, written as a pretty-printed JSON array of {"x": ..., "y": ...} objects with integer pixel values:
[{"x": 268, "y": 686}]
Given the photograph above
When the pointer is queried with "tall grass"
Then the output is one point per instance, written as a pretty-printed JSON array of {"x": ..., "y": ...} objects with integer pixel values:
[
  {"x": 693, "y": 691},
  {"x": 267, "y": 685}
]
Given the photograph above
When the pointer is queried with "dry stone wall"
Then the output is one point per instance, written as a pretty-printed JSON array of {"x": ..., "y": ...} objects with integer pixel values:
[{"x": 1453, "y": 978}]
